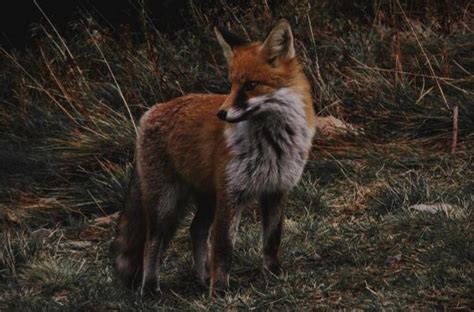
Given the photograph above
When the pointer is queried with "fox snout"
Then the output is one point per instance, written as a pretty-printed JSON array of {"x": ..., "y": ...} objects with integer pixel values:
[
  {"x": 224, "y": 110},
  {"x": 231, "y": 100},
  {"x": 236, "y": 107},
  {"x": 222, "y": 114}
]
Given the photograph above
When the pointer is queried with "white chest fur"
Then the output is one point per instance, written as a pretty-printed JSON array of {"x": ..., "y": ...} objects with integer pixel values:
[{"x": 269, "y": 150}]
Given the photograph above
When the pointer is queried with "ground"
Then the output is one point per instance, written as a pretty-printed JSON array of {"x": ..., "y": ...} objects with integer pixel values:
[{"x": 382, "y": 218}]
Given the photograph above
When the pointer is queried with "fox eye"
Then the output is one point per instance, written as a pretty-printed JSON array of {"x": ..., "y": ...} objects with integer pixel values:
[{"x": 249, "y": 85}]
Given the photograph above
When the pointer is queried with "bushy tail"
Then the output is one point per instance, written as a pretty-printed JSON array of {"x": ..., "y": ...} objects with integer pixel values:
[{"x": 130, "y": 236}]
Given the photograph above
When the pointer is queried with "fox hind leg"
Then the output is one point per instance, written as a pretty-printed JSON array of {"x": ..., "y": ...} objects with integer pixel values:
[
  {"x": 200, "y": 230},
  {"x": 164, "y": 212}
]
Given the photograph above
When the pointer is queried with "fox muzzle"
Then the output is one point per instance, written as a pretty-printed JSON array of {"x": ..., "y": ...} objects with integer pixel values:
[{"x": 222, "y": 114}]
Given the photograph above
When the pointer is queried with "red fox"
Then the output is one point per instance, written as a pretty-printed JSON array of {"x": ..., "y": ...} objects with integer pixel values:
[{"x": 255, "y": 148}]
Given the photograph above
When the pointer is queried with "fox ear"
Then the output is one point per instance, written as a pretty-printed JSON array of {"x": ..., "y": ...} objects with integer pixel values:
[
  {"x": 228, "y": 42},
  {"x": 279, "y": 42}
]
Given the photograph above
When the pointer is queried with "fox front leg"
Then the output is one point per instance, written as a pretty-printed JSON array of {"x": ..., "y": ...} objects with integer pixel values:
[
  {"x": 271, "y": 207},
  {"x": 222, "y": 240}
]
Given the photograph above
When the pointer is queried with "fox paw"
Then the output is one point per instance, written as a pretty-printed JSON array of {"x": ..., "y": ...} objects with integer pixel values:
[
  {"x": 203, "y": 277},
  {"x": 273, "y": 266},
  {"x": 150, "y": 286},
  {"x": 219, "y": 286}
]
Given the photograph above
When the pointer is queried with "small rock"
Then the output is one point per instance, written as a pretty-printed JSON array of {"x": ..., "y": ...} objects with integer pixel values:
[
  {"x": 315, "y": 257},
  {"x": 431, "y": 208},
  {"x": 396, "y": 258}
]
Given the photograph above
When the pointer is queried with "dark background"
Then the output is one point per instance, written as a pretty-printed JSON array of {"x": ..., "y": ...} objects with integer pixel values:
[{"x": 18, "y": 17}]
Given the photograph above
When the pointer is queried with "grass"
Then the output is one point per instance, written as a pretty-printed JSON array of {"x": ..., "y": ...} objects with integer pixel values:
[{"x": 352, "y": 238}]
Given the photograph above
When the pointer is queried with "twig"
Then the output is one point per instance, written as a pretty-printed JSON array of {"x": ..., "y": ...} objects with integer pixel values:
[
  {"x": 61, "y": 39},
  {"x": 424, "y": 53},
  {"x": 462, "y": 68},
  {"x": 115, "y": 80},
  {"x": 97, "y": 203},
  {"x": 316, "y": 58},
  {"x": 455, "y": 130},
  {"x": 455, "y": 108},
  {"x": 397, "y": 55},
  {"x": 229, "y": 9},
  {"x": 39, "y": 86},
  {"x": 362, "y": 65},
  {"x": 56, "y": 80},
  {"x": 216, "y": 67},
  {"x": 446, "y": 80}
]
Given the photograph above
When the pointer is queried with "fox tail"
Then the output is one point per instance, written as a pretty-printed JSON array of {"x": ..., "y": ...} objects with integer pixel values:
[{"x": 130, "y": 236}]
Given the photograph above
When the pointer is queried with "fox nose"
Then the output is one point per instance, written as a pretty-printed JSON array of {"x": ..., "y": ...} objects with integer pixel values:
[{"x": 222, "y": 114}]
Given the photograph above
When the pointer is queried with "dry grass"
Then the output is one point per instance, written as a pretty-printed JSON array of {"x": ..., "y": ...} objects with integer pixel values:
[{"x": 352, "y": 240}]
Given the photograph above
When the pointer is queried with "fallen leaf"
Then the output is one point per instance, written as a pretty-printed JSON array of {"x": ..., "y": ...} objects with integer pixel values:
[
  {"x": 106, "y": 220},
  {"x": 291, "y": 226},
  {"x": 331, "y": 126},
  {"x": 77, "y": 244}
]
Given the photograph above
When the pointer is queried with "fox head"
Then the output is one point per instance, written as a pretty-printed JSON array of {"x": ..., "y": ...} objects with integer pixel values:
[{"x": 259, "y": 70}]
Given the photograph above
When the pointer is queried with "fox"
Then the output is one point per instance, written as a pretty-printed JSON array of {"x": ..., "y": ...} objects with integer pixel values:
[{"x": 223, "y": 151}]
